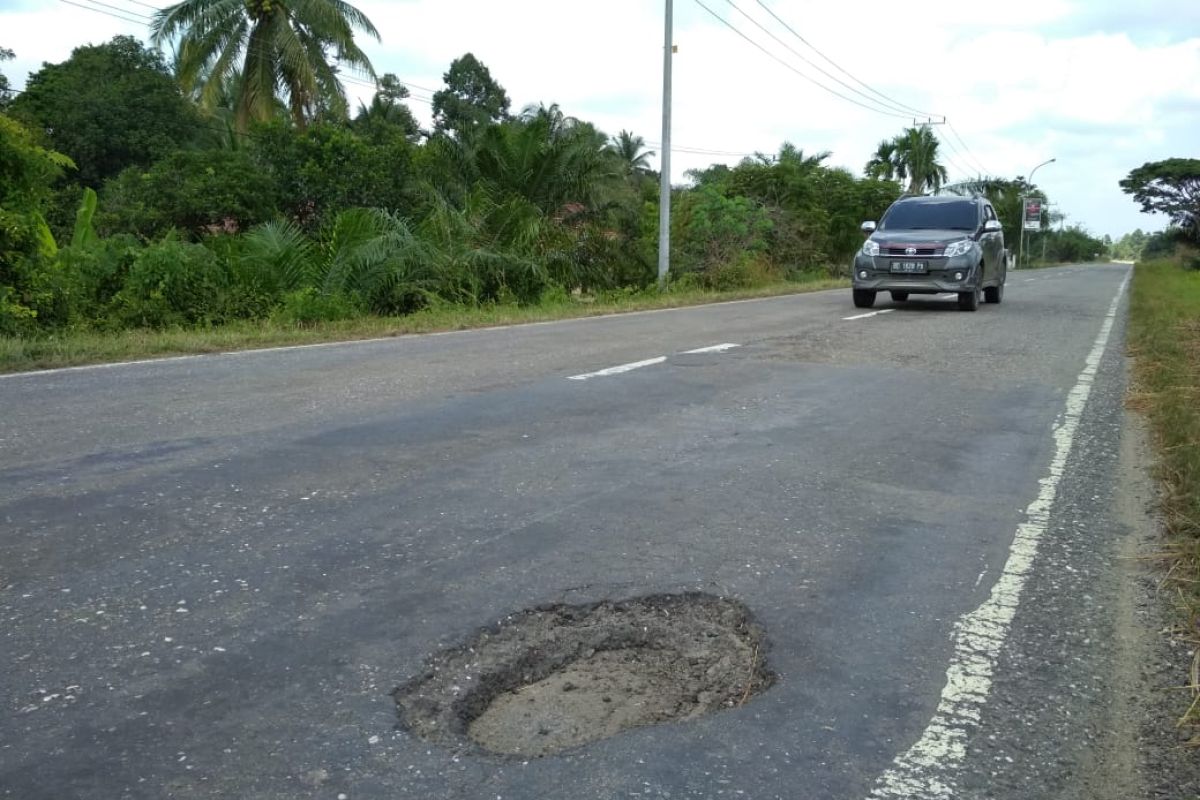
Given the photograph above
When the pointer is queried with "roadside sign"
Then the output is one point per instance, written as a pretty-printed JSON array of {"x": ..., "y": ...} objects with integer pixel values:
[{"x": 1033, "y": 214}]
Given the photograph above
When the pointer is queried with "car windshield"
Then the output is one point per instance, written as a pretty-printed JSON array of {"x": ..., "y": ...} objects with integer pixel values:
[{"x": 930, "y": 216}]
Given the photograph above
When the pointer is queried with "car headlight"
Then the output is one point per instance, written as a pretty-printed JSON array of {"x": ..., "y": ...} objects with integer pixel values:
[
  {"x": 870, "y": 248},
  {"x": 959, "y": 248}
]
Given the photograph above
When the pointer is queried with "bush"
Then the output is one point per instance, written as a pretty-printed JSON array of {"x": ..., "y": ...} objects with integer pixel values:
[
  {"x": 307, "y": 306},
  {"x": 172, "y": 283}
]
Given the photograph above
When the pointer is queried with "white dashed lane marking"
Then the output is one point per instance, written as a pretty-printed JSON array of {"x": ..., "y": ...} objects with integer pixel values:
[
  {"x": 617, "y": 370},
  {"x": 868, "y": 314}
]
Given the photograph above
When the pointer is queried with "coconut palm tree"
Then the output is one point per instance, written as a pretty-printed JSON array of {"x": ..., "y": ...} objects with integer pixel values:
[
  {"x": 632, "y": 152},
  {"x": 911, "y": 156},
  {"x": 917, "y": 157},
  {"x": 283, "y": 48}
]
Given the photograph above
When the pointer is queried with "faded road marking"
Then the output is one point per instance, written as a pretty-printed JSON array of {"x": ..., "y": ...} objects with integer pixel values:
[
  {"x": 716, "y": 348},
  {"x": 868, "y": 314},
  {"x": 617, "y": 370},
  {"x": 929, "y": 770}
]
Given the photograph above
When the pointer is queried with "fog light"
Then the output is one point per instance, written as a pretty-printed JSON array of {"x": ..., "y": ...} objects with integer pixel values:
[
  {"x": 862, "y": 273},
  {"x": 958, "y": 276}
]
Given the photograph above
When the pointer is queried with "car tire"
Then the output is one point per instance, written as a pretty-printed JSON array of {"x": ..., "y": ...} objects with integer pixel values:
[
  {"x": 994, "y": 294},
  {"x": 899, "y": 297},
  {"x": 969, "y": 301},
  {"x": 864, "y": 298}
]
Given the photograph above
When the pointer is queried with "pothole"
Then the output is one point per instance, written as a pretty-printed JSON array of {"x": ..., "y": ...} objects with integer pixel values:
[{"x": 556, "y": 677}]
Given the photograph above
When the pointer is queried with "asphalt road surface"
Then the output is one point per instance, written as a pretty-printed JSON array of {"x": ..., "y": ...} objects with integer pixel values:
[{"x": 213, "y": 570}]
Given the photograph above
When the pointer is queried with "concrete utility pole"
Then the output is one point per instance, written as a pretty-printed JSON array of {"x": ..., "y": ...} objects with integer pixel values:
[
  {"x": 1021, "y": 246},
  {"x": 664, "y": 187}
]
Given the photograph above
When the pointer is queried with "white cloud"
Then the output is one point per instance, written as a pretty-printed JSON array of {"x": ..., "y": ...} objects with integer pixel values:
[{"x": 1100, "y": 90}]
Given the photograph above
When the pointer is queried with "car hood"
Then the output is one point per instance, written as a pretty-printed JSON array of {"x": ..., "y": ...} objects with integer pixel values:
[{"x": 918, "y": 237}]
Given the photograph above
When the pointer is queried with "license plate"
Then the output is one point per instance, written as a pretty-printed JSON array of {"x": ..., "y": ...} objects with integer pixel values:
[{"x": 910, "y": 266}]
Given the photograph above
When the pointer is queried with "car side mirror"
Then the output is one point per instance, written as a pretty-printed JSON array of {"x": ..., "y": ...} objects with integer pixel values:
[
  {"x": 868, "y": 228},
  {"x": 992, "y": 225}
]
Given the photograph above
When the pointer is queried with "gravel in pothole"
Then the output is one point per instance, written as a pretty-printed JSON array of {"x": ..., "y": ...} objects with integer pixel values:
[{"x": 556, "y": 677}]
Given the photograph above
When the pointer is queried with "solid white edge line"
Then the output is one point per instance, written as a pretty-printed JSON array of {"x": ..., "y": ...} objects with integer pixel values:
[
  {"x": 869, "y": 314},
  {"x": 929, "y": 769},
  {"x": 617, "y": 370},
  {"x": 716, "y": 348}
]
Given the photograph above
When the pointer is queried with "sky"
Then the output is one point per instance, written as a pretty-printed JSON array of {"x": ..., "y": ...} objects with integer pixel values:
[{"x": 1101, "y": 86}]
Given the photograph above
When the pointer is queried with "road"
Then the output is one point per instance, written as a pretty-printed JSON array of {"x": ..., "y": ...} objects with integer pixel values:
[{"x": 213, "y": 570}]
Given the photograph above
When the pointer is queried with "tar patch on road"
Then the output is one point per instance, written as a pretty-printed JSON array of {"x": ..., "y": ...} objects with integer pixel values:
[{"x": 557, "y": 677}]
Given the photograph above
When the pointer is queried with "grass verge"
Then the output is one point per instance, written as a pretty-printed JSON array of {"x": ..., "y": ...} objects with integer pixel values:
[
  {"x": 88, "y": 347},
  {"x": 1164, "y": 337}
]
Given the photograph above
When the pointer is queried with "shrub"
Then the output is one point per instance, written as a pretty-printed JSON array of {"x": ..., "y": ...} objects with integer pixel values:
[
  {"x": 172, "y": 283},
  {"x": 308, "y": 306}
]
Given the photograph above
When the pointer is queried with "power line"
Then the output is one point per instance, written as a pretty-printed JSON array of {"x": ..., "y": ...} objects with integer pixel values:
[
  {"x": 701, "y": 151},
  {"x": 122, "y": 10},
  {"x": 105, "y": 13},
  {"x": 966, "y": 173},
  {"x": 890, "y": 105},
  {"x": 771, "y": 55},
  {"x": 967, "y": 155},
  {"x": 841, "y": 69},
  {"x": 979, "y": 163}
]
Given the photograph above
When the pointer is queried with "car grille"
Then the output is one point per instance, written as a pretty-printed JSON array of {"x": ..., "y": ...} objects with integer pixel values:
[{"x": 921, "y": 251}]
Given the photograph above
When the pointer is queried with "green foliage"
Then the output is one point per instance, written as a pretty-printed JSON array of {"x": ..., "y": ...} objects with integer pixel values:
[
  {"x": 387, "y": 117},
  {"x": 171, "y": 283},
  {"x": 471, "y": 100},
  {"x": 326, "y": 168},
  {"x": 1170, "y": 187},
  {"x": 309, "y": 306},
  {"x": 26, "y": 246},
  {"x": 911, "y": 156},
  {"x": 711, "y": 232},
  {"x": 84, "y": 235},
  {"x": 281, "y": 51},
  {"x": 5, "y": 90},
  {"x": 196, "y": 191},
  {"x": 108, "y": 107},
  {"x": 1073, "y": 244}
]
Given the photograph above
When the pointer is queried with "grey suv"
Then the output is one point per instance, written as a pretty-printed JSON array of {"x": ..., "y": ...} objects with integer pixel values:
[{"x": 932, "y": 245}]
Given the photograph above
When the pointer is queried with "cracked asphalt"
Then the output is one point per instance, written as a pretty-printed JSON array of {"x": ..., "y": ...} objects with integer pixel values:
[{"x": 213, "y": 570}]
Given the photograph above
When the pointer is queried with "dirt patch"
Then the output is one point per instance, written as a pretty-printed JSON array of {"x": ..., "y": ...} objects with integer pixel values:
[{"x": 556, "y": 677}]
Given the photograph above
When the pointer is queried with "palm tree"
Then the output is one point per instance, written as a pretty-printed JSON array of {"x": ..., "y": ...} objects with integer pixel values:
[
  {"x": 630, "y": 149},
  {"x": 911, "y": 156},
  {"x": 917, "y": 156},
  {"x": 883, "y": 162},
  {"x": 288, "y": 48}
]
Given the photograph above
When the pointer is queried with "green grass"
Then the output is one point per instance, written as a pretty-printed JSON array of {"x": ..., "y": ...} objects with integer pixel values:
[
  {"x": 1164, "y": 338},
  {"x": 89, "y": 347}
]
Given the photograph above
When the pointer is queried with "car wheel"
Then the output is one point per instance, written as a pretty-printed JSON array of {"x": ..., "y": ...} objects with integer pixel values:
[
  {"x": 969, "y": 301},
  {"x": 864, "y": 298},
  {"x": 994, "y": 294},
  {"x": 899, "y": 297}
]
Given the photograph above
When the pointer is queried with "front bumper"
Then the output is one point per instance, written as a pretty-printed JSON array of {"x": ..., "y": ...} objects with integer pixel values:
[{"x": 940, "y": 278}]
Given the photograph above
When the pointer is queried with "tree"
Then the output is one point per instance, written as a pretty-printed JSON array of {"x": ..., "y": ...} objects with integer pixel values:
[
  {"x": 289, "y": 50},
  {"x": 5, "y": 90},
  {"x": 108, "y": 107},
  {"x": 471, "y": 100},
  {"x": 387, "y": 116},
  {"x": 911, "y": 156},
  {"x": 326, "y": 168},
  {"x": 632, "y": 152},
  {"x": 1170, "y": 187},
  {"x": 197, "y": 191},
  {"x": 26, "y": 173}
]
